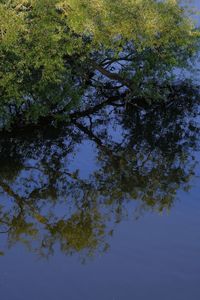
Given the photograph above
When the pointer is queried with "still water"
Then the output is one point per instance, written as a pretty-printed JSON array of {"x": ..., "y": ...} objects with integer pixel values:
[{"x": 106, "y": 208}]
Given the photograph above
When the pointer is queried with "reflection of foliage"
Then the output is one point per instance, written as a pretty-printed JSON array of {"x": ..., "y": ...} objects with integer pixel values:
[
  {"x": 51, "y": 50},
  {"x": 142, "y": 154}
]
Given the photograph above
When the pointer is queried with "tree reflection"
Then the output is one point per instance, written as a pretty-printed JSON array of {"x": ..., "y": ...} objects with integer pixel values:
[{"x": 143, "y": 155}]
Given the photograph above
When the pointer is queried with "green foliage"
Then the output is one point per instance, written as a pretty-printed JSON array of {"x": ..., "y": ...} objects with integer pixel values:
[{"x": 50, "y": 48}]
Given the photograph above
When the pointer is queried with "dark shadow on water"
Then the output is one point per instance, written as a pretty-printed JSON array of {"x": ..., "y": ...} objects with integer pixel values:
[{"x": 140, "y": 155}]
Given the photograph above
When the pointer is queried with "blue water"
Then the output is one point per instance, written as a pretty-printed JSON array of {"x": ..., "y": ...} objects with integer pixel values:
[
  {"x": 152, "y": 254},
  {"x": 156, "y": 257}
]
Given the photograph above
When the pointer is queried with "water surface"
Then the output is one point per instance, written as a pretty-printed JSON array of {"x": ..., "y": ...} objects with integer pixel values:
[{"x": 106, "y": 208}]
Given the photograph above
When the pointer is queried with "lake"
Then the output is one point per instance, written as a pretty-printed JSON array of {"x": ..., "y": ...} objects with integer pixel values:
[{"x": 107, "y": 208}]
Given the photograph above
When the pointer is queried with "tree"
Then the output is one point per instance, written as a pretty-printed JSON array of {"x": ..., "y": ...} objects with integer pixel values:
[{"x": 52, "y": 51}]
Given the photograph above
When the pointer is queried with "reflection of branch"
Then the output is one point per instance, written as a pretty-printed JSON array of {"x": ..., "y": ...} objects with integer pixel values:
[
  {"x": 91, "y": 135},
  {"x": 12, "y": 194},
  {"x": 96, "y": 108},
  {"x": 22, "y": 128},
  {"x": 110, "y": 75},
  {"x": 107, "y": 62},
  {"x": 95, "y": 139},
  {"x": 19, "y": 200},
  {"x": 6, "y": 231}
]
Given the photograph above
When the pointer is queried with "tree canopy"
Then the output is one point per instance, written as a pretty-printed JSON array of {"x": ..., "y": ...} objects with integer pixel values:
[{"x": 52, "y": 50}]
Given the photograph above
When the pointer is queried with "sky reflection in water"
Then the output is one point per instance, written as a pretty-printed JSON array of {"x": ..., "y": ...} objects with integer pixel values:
[
  {"x": 106, "y": 209},
  {"x": 103, "y": 208}
]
